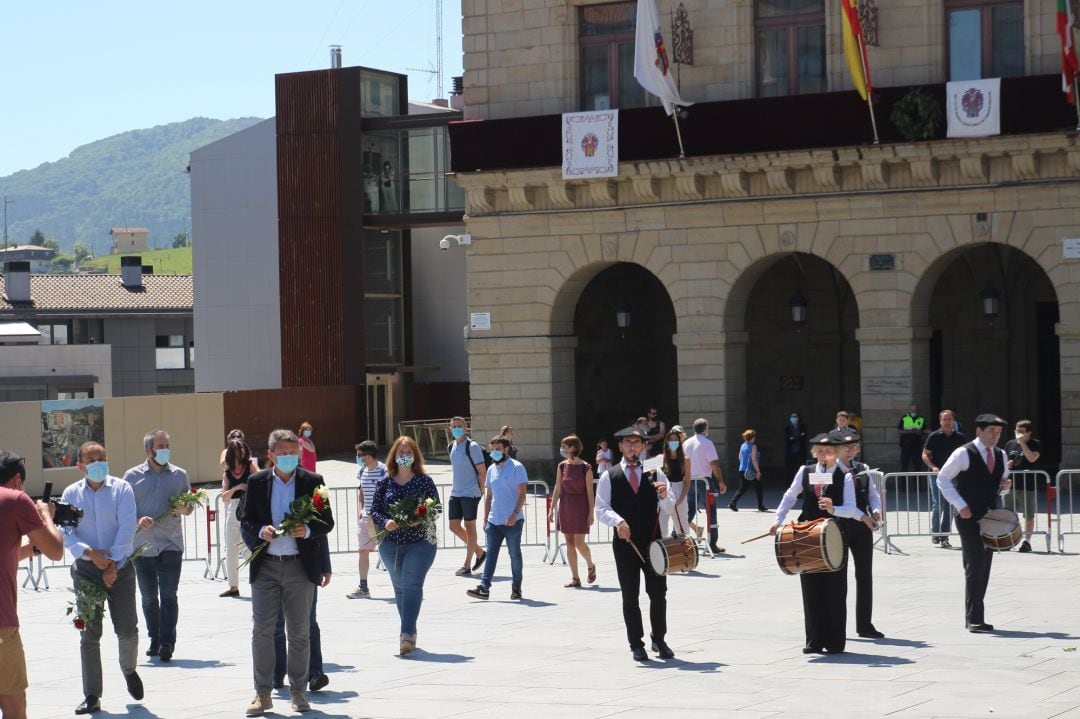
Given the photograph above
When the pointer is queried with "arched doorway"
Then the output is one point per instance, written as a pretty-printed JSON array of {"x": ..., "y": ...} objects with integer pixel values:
[
  {"x": 620, "y": 372},
  {"x": 1008, "y": 363},
  {"x": 810, "y": 367}
]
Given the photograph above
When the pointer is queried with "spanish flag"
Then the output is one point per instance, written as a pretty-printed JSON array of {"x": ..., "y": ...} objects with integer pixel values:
[{"x": 855, "y": 47}]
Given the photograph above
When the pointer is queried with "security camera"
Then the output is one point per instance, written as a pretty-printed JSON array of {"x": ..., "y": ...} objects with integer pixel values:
[
  {"x": 444, "y": 243},
  {"x": 463, "y": 239}
]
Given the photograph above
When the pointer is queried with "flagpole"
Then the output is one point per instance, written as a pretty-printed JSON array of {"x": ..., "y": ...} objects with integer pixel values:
[
  {"x": 866, "y": 83},
  {"x": 678, "y": 132},
  {"x": 1076, "y": 99}
]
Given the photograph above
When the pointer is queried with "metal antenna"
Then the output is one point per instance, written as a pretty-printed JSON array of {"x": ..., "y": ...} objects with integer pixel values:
[
  {"x": 6, "y": 203},
  {"x": 437, "y": 71}
]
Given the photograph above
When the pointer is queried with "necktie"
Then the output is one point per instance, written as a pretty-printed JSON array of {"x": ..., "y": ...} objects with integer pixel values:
[
  {"x": 631, "y": 475},
  {"x": 990, "y": 460}
]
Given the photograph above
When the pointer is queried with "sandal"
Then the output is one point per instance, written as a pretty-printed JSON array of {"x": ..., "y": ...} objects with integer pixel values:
[
  {"x": 592, "y": 574},
  {"x": 573, "y": 583}
]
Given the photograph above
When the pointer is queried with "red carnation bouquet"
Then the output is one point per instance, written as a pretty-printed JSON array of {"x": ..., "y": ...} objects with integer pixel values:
[
  {"x": 302, "y": 511},
  {"x": 410, "y": 511}
]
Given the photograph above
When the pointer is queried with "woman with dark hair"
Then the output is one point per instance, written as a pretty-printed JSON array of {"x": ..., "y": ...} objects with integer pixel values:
[
  {"x": 794, "y": 444},
  {"x": 575, "y": 499},
  {"x": 238, "y": 467},
  {"x": 677, "y": 470},
  {"x": 750, "y": 469}
]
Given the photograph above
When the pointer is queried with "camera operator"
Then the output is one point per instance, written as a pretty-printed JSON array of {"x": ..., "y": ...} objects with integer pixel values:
[{"x": 21, "y": 517}]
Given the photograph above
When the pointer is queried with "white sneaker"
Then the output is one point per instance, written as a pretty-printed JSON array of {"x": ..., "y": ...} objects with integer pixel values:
[{"x": 360, "y": 593}]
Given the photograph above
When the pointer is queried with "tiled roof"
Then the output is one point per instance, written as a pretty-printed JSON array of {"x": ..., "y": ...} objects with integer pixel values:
[
  {"x": 104, "y": 293},
  {"x": 115, "y": 230}
]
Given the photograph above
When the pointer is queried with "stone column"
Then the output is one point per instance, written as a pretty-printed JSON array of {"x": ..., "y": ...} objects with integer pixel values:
[
  {"x": 895, "y": 369},
  {"x": 1069, "y": 345},
  {"x": 712, "y": 384}
]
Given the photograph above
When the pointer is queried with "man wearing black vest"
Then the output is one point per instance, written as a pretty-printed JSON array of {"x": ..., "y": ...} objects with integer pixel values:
[
  {"x": 859, "y": 533},
  {"x": 824, "y": 593},
  {"x": 629, "y": 502},
  {"x": 972, "y": 479}
]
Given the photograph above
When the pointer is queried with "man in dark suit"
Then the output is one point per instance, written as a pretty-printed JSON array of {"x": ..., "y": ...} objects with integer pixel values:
[{"x": 282, "y": 574}]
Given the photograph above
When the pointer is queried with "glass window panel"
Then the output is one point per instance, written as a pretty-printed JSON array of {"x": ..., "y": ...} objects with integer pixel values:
[
  {"x": 811, "y": 39},
  {"x": 780, "y": 8},
  {"x": 594, "y": 72},
  {"x": 607, "y": 19},
  {"x": 965, "y": 44},
  {"x": 46, "y": 334},
  {"x": 772, "y": 61},
  {"x": 631, "y": 93},
  {"x": 1007, "y": 40},
  {"x": 378, "y": 95},
  {"x": 169, "y": 357},
  {"x": 381, "y": 160},
  {"x": 382, "y": 320},
  {"x": 382, "y": 262},
  {"x": 422, "y": 170}
]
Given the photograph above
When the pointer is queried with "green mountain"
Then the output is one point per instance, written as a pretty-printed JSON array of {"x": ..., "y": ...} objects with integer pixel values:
[{"x": 135, "y": 179}]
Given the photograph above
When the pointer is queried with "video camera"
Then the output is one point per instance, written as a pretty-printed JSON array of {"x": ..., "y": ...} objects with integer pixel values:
[{"x": 64, "y": 515}]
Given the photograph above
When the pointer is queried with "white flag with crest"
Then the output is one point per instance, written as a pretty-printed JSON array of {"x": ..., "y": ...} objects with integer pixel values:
[{"x": 652, "y": 65}]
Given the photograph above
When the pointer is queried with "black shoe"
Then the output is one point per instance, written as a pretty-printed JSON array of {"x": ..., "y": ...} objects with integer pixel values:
[
  {"x": 935, "y": 540},
  {"x": 978, "y": 627},
  {"x": 833, "y": 650},
  {"x": 90, "y": 705},
  {"x": 715, "y": 549},
  {"x": 481, "y": 592},
  {"x": 279, "y": 682},
  {"x": 662, "y": 649},
  {"x": 134, "y": 685},
  {"x": 810, "y": 649},
  {"x": 318, "y": 682},
  {"x": 166, "y": 653},
  {"x": 639, "y": 654},
  {"x": 945, "y": 543},
  {"x": 515, "y": 593},
  {"x": 1025, "y": 546},
  {"x": 230, "y": 593},
  {"x": 871, "y": 633},
  {"x": 762, "y": 509},
  {"x": 479, "y": 561},
  {"x": 733, "y": 507},
  {"x": 154, "y": 650}
]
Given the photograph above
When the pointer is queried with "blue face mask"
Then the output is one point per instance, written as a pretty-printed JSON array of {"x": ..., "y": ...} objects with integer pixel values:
[
  {"x": 161, "y": 456},
  {"x": 405, "y": 460},
  {"x": 794, "y": 420},
  {"x": 97, "y": 471},
  {"x": 458, "y": 432},
  {"x": 673, "y": 445},
  {"x": 287, "y": 463},
  {"x": 497, "y": 456},
  {"x": 360, "y": 460},
  {"x": 307, "y": 432}
]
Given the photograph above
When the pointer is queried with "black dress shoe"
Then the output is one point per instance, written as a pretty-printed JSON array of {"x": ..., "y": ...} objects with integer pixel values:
[
  {"x": 871, "y": 633},
  {"x": 639, "y": 654},
  {"x": 90, "y": 705},
  {"x": 165, "y": 654},
  {"x": 134, "y": 685},
  {"x": 808, "y": 649},
  {"x": 318, "y": 682},
  {"x": 153, "y": 650},
  {"x": 662, "y": 649},
  {"x": 977, "y": 627},
  {"x": 833, "y": 650}
]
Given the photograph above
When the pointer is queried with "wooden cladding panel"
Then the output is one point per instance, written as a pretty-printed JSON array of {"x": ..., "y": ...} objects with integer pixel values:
[{"x": 335, "y": 412}]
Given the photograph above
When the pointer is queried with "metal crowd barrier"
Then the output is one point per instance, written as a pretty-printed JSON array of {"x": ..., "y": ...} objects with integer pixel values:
[{"x": 1066, "y": 510}]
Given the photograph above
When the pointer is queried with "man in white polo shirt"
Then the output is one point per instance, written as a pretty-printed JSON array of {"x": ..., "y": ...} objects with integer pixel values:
[{"x": 704, "y": 465}]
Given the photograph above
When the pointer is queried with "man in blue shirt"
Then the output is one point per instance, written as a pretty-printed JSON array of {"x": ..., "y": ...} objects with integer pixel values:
[
  {"x": 467, "y": 462},
  {"x": 101, "y": 546},
  {"x": 507, "y": 481},
  {"x": 157, "y": 570}
]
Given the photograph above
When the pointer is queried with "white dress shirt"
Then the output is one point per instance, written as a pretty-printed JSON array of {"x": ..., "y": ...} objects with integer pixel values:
[
  {"x": 847, "y": 509},
  {"x": 609, "y": 516},
  {"x": 875, "y": 498},
  {"x": 957, "y": 463}
]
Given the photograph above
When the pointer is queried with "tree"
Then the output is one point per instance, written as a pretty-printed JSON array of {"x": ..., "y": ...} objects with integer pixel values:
[
  {"x": 181, "y": 240},
  {"x": 38, "y": 238},
  {"x": 81, "y": 251},
  {"x": 51, "y": 243},
  {"x": 62, "y": 263}
]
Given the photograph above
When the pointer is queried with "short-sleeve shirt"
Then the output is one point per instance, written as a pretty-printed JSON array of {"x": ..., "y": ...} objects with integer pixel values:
[
  {"x": 464, "y": 456},
  {"x": 701, "y": 452},
  {"x": 505, "y": 482},
  {"x": 942, "y": 446},
  {"x": 20, "y": 517},
  {"x": 369, "y": 480},
  {"x": 1014, "y": 452}
]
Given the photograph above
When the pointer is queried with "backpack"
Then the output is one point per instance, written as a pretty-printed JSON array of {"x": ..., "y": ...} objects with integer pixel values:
[{"x": 487, "y": 455}]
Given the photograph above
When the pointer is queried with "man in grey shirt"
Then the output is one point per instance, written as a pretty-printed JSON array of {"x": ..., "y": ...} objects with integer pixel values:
[{"x": 154, "y": 482}]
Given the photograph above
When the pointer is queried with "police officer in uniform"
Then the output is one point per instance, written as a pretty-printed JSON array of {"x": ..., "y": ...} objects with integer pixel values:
[
  {"x": 859, "y": 533},
  {"x": 972, "y": 480},
  {"x": 824, "y": 593}
]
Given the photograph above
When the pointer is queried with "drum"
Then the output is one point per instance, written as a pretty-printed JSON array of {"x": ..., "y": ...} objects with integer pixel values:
[
  {"x": 1000, "y": 529},
  {"x": 673, "y": 554},
  {"x": 810, "y": 547}
]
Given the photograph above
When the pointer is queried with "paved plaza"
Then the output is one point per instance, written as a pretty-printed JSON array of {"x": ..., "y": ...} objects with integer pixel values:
[{"x": 735, "y": 626}]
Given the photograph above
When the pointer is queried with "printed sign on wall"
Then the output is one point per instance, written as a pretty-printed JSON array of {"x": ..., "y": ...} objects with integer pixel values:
[{"x": 590, "y": 144}]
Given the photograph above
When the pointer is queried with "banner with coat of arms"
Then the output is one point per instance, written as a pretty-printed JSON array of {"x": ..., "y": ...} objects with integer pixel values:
[
  {"x": 973, "y": 107},
  {"x": 590, "y": 144}
]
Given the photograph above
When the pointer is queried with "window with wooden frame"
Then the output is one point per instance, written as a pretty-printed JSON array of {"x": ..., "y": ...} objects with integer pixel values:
[
  {"x": 985, "y": 38},
  {"x": 789, "y": 47},
  {"x": 606, "y": 47}
]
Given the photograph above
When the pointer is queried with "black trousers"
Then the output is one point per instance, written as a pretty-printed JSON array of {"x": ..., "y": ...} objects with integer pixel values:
[
  {"x": 860, "y": 541},
  {"x": 743, "y": 483},
  {"x": 911, "y": 456},
  {"x": 824, "y": 596},
  {"x": 977, "y": 560},
  {"x": 629, "y": 568}
]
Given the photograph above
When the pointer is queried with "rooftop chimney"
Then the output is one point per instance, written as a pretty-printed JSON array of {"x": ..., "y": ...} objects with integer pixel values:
[
  {"x": 457, "y": 94},
  {"x": 131, "y": 271},
  {"x": 17, "y": 281},
  {"x": 335, "y": 57}
]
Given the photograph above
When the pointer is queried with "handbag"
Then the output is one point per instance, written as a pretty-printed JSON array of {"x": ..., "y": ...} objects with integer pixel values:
[{"x": 749, "y": 474}]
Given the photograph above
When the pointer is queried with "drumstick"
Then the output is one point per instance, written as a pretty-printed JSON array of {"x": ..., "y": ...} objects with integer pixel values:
[
  {"x": 637, "y": 552},
  {"x": 754, "y": 539}
]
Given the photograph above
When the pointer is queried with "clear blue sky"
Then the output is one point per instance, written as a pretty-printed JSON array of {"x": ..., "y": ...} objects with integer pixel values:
[{"x": 75, "y": 72}]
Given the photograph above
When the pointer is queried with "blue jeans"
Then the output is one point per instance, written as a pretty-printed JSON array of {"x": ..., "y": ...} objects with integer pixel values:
[
  {"x": 940, "y": 510},
  {"x": 314, "y": 643},
  {"x": 158, "y": 579},
  {"x": 496, "y": 533},
  {"x": 696, "y": 499},
  {"x": 408, "y": 565}
]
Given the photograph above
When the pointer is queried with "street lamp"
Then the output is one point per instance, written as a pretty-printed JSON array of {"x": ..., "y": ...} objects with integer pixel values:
[
  {"x": 622, "y": 315},
  {"x": 991, "y": 301},
  {"x": 798, "y": 309}
]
